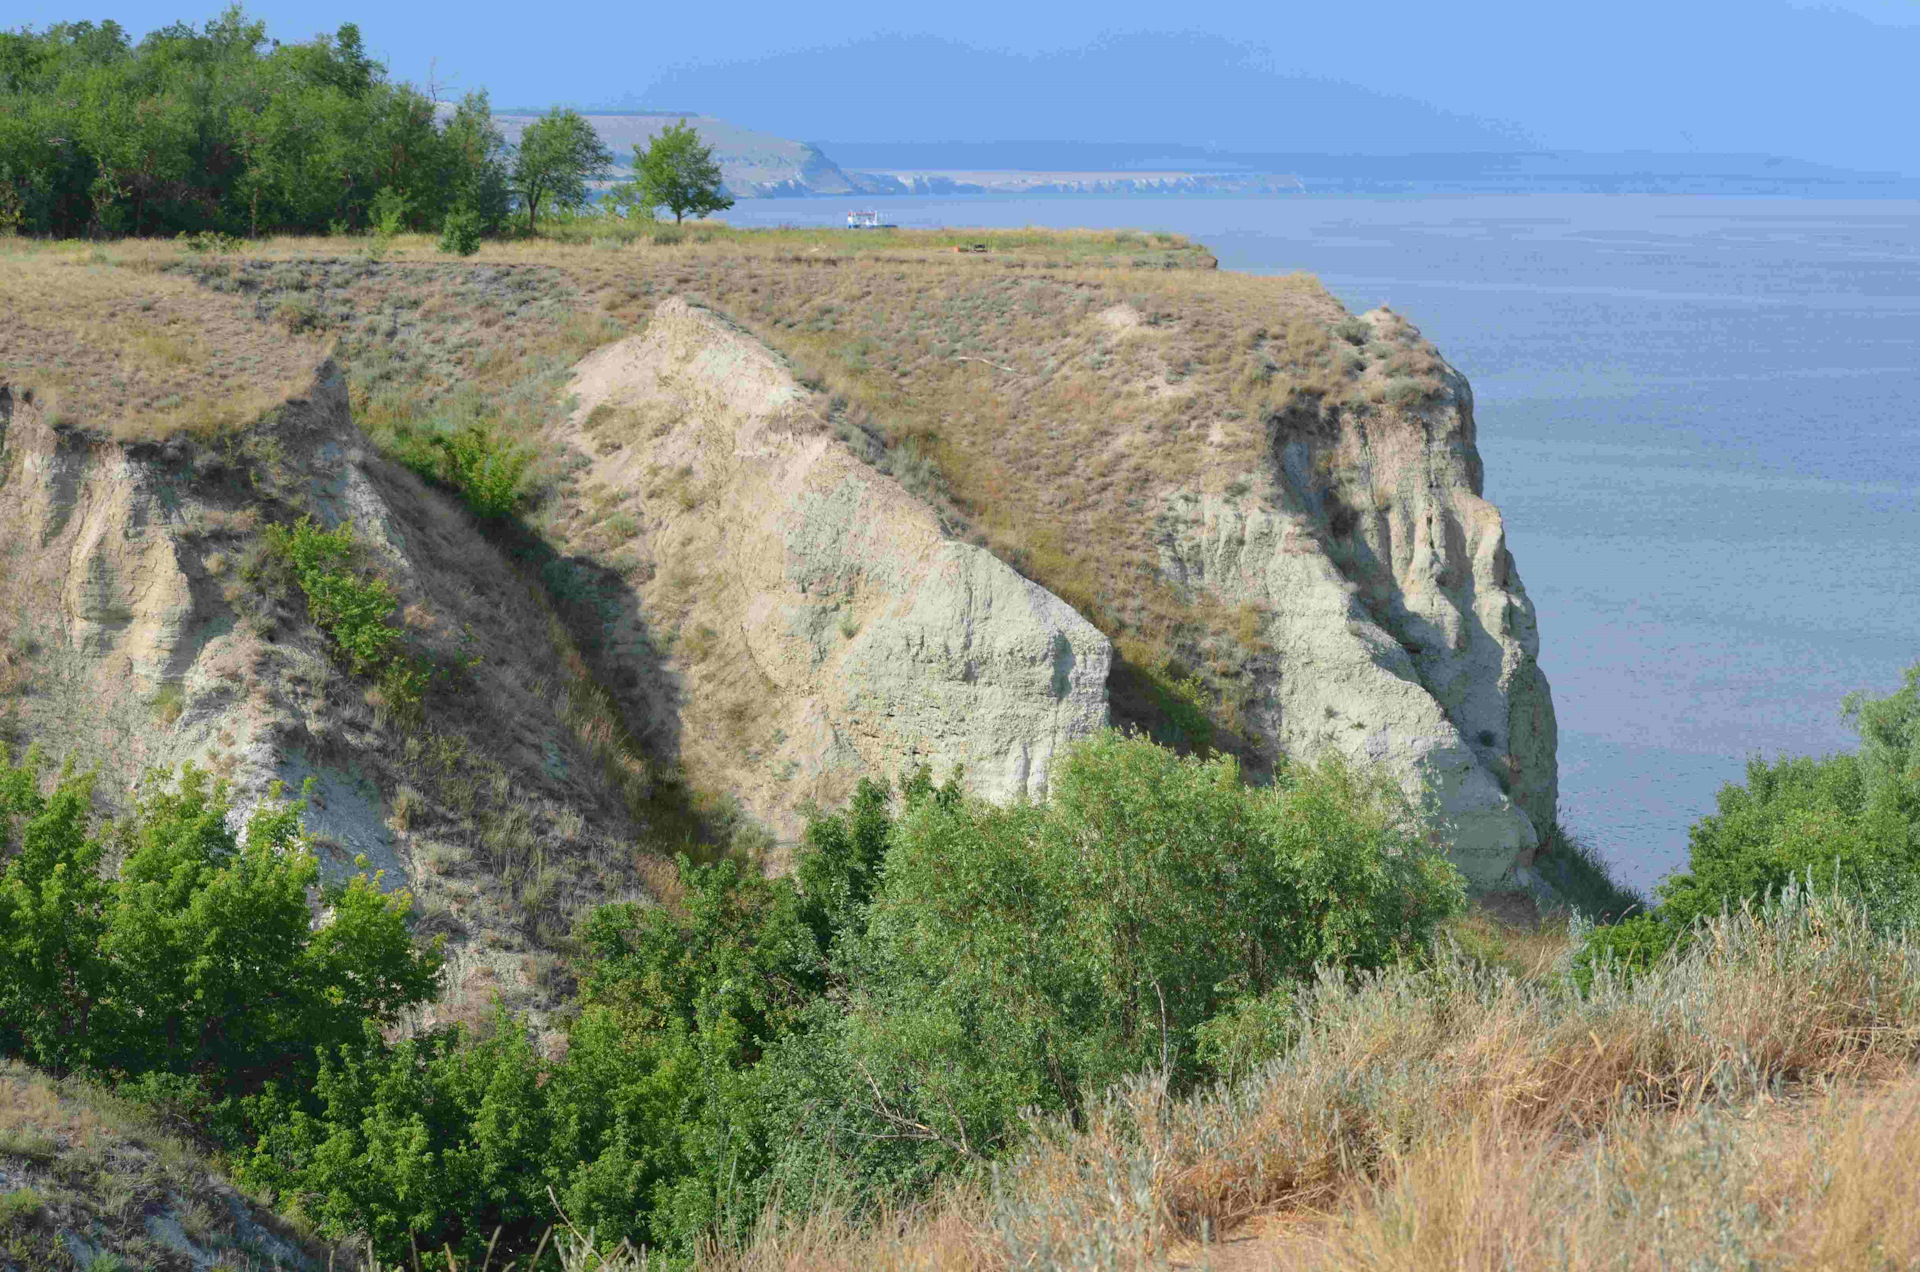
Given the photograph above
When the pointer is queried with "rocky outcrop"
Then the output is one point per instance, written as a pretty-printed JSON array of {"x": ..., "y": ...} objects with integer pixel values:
[
  {"x": 821, "y": 625},
  {"x": 1400, "y": 629}
]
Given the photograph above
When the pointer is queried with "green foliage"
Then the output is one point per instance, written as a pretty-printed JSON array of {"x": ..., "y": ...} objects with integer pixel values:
[
  {"x": 355, "y": 612},
  {"x": 677, "y": 172},
  {"x": 53, "y": 916},
  {"x": 465, "y": 453},
  {"x": 559, "y": 156},
  {"x": 934, "y": 967},
  {"x": 1108, "y": 925},
  {"x": 628, "y": 200},
  {"x": 199, "y": 961},
  {"x": 20, "y": 1209},
  {"x": 460, "y": 233},
  {"x": 433, "y": 1136},
  {"x": 487, "y": 470},
  {"x": 1248, "y": 1032},
  {"x": 1889, "y": 731},
  {"x": 1849, "y": 822},
  {"x": 1790, "y": 817},
  {"x": 220, "y": 130},
  {"x": 388, "y": 211},
  {"x": 1631, "y": 947}
]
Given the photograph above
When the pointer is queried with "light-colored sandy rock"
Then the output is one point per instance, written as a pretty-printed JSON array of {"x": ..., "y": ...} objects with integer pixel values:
[
  {"x": 1400, "y": 628},
  {"x": 826, "y": 626}
]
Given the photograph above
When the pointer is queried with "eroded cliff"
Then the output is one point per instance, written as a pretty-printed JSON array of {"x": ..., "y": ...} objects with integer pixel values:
[
  {"x": 823, "y": 625},
  {"x": 1400, "y": 629}
]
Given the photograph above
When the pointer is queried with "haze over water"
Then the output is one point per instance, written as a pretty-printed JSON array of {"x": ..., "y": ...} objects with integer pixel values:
[{"x": 1700, "y": 416}]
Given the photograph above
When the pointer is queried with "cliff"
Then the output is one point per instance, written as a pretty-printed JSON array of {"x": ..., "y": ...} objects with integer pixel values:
[
  {"x": 147, "y": 625},
  {"x": 829, "y": 629},
  {"x": 793, "y": 517},
  {"x": 1401, "y": 632}
]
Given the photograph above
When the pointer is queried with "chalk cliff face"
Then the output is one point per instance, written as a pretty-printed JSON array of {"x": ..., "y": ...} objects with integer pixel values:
[
  {"x": 143, "y": 626},
  {"x": 824, "y": 627},
  {"x": 1401, "y": 632}
]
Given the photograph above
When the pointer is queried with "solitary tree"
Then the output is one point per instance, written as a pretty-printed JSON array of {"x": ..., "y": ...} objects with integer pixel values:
[
  {"x": 559, "y": 155},
  {"x": 676, "y": 170}
]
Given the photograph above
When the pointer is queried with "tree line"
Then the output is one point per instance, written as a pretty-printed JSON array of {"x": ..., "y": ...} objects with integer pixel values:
[{"x": 222, "y": 129}]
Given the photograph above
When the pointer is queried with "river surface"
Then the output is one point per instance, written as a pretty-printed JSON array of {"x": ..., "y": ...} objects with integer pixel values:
[{"x": 1700, "y": 416}]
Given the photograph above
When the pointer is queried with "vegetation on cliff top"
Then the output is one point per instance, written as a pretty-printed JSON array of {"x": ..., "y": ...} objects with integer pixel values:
[{"x": 216, "y": 130}]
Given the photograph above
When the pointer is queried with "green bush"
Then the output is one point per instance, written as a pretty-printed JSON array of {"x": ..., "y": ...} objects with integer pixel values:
[
  {"x": 1849, "y": 822},
  {"x": 199, "y": 960},
  {"x": 472, "y": 459},
  {"x": 1248, "y": 1032},
  {"x": 355, "y": 612},
  {"x": 1107, "y": 926},
  {"x": 487, "y": 470},
  {"x": 460, "y": 233}
]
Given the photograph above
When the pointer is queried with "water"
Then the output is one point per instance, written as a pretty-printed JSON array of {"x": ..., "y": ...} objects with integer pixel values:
[{"x": 1701, "y": 417}]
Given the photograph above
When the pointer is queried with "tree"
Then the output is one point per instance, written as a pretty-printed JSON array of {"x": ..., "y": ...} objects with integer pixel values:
[
  {"x": 676, "y": 170},
  {"x": 559, "y": 155},
  {"x": 200, "y": 959}
]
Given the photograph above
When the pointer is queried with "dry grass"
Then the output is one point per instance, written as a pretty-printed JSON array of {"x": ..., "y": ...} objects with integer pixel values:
[
  {"x": 1431, "y": 1112},
  {"x": 1829, "y": 1183},
  {"x": 82, "y": 1170},
  {"x": 117, "y": 346}
]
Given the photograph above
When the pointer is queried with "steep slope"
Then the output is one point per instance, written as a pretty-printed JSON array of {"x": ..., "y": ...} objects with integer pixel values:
[
  {"x": 1273, "y": 508},
  {"x": 828, "y": 628},
  {"x": 1402, "y": 633},
  {"x": 88, "y": 1180},
  {"x": 148, "y": 625}
]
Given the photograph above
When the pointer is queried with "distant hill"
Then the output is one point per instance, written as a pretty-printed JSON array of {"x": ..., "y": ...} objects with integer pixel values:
[
  {"x": 959, "y": 167},
  {"x": 764, "y": 165},
  {"x": 752, "y": 164}
]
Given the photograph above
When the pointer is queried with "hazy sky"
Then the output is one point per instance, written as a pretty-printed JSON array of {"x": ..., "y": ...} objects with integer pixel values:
[{"x": 1832, "y": 81}]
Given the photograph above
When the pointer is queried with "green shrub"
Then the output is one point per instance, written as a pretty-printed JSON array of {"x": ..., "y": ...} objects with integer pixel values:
[
  {"x": 472, "y": 459},
  {"x": 460, "y": 233},
  {"x": 20, "y": 1210},
  {"x": 1249, "y": 1032},
  {"x": 1110, "y": 924},
  {"x": 1849, "y": 822},
  {"x": 355, "y": 612},
  {"x": 389, "y": 212},
  {"x": 935, "y": 967},
  {"x": 487, "y": 470},
  {"x": 1406, "y": 392},
  {"x": 1630, "y": 948},
  {"x": 200, "y": 958}
]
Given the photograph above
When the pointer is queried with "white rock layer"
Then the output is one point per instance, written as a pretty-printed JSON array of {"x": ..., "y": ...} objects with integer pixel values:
[
  {"x": 1400, "y": 628},
  {"x": 828, "y": 627}
]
